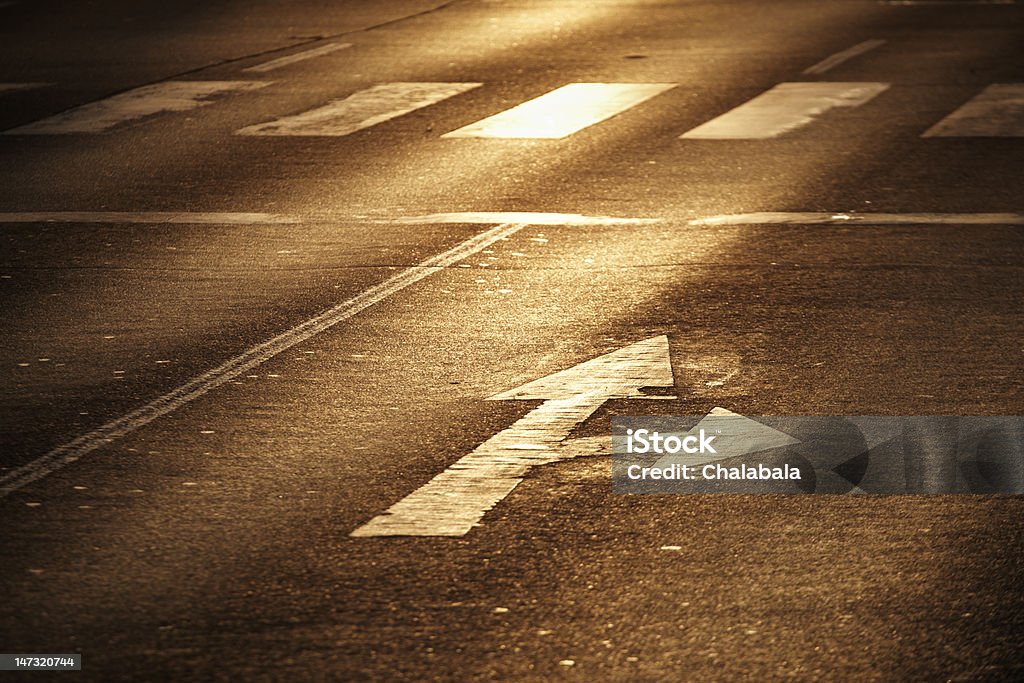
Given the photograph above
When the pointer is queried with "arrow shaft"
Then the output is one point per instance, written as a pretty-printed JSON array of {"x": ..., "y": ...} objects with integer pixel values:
[{"x": 453, "y": 502}]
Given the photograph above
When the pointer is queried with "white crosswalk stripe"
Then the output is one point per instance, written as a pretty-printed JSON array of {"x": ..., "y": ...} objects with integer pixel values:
[
  {"x": 172, "y": 96},
  {"x": 996, "y": 112},
  {"x": 563, "y": 111},
  {"x": 784, "y": 108},
  {"x": 361, "y": 110}
]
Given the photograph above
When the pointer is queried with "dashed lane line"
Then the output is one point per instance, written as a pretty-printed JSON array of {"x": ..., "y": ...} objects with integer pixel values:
[
  {"x": 288, "y": 60},
  {"x": 13, "y": 87},
  {"x": 846, "y": 55}
]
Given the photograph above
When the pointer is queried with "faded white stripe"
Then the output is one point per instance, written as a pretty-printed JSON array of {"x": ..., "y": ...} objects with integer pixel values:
[
  {"x": 244, "y": 362},
  {"x": 811, "y": 218},
  {"x": 361, "y": 110},
  {"x": 297, "y": 57},
  {"x": 172, "y": 96},
  {"x": 146, "y": 217},
  {"x": 911, "y": 3},
  {"x": 996, "y": 112},
  {"x": 838, "y": 58},
  {"x": 533, "y": 218},
  {"x": 11, "y": 87},
  {"x": 784, "y": 108},
  {"x": 563, "y": 111},
  {"x": 248, "y": 218}
]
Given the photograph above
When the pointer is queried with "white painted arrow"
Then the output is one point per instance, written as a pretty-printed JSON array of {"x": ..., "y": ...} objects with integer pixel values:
[{"x": 456, "y": 500}]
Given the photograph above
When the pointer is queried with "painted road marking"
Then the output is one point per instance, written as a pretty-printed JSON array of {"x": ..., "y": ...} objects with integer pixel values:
[
  {"x": 912, "y": 3},
  {"x": 70, "y": 452},
  {"x": 493, "y": 217},
  {"x": 563, "y": 111},
  {"x": 455, "y": 501},
  {"x": 12, "y": 87},
  {"x": 243, "y": 218},
  {"x": 533, "y": 218},
  {"x": 246, "y": 361},
  {"x": 811, "y": 218},
  {"x": 146, "y": 217},
  {"x": 172, "y": 96},
  {"x": 838, "y": 58},
  {"x": 288, "y": 60},
  {"x": 996, "y": 112},
  {"x": 361, "y": 110},
  {"x": 784, "y": 108}
]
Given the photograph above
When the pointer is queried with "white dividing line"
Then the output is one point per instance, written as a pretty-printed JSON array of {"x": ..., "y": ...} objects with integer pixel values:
[
  {"x": 146, "y": 217},
  {"x": 12, "y": 87},
  {"x": 784, "y": 108},
  {"x": 846, "y": 55},
  {"x": 533, "y": 218},
  {"x": 563, "y": 111},
  {"x": 361, "y": 110},
  {"x": 912, "y": 3},
  {"x": 246, "y": 361},
  {"x": 297, "y": 57},
  {"x": 241, "y": 218},
  {"x": 172, "y": 96},
  {"x": 996, "y": 112},
  {"x": 810, "y": 218},
  {"x": 455, "y": 501}
]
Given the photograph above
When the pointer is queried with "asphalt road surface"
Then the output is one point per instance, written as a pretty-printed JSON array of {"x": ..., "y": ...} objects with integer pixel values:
[{"x": 264, "y": 263}]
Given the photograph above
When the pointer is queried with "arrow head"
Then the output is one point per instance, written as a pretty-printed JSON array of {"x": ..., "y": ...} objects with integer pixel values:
[{"x": 619, "y": 374}]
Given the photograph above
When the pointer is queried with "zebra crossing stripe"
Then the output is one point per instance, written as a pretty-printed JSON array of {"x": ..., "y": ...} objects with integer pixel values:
[
  {"x": 563, "y": 111},
  {"x": 784, "y": 108},
  {"x": 172, "y": 96},
  {"x": 996, "y": 112},
  {"x": 361, "y": 110}
]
